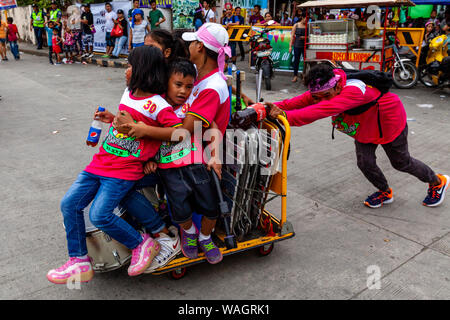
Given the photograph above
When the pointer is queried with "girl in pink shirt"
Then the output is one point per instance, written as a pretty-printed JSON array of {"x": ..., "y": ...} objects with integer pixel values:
[
  {"x": 114, "y": 170},
  {"x": 383, "y": 123}
]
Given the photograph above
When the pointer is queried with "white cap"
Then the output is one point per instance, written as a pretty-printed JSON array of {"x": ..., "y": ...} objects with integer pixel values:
[{"x": 216, "y": 30}]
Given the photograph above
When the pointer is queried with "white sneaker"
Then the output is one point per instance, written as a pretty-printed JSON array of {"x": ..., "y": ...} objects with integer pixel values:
[
  {"x": 90, "y": 55},
  {"x": 233, "y": 68},
  {"x": 170, "y": 248}
]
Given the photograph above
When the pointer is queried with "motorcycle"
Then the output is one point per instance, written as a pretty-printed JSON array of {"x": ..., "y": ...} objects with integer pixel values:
[
  {"x": 262, "y": 50},
  {"x": 435, "y": 72},
  {"x": 404, "y": 72}
]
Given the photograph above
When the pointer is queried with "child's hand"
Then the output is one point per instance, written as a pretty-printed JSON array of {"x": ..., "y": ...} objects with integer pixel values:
[
  {"x": 104, "y": 116},
  {"x": 150, "y": 167},
  {"x": 122, "y": 117},
  {"x": 216, "y": 165},
  {"x": 137, "y": 130}
]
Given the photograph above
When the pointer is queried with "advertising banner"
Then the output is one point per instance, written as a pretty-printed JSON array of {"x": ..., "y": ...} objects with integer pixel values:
[
  {"x": 7, "y": 4},
  {"x": 98, "y": 11},
  {"x": 279, "y": 38},
  {"x": 167, "y": 4}
]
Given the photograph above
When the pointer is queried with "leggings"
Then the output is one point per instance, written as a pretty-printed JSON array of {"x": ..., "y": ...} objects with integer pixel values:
[{"x": 398, "y": 154}]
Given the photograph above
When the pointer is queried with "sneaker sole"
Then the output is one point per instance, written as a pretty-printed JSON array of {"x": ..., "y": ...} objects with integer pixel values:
[
  {"x": 83, "y": 277},
  {"x": 379, "y": 205},
  {"x": 165, "y": 264},
  {"x": 154, "y": 250},
  {"x": 442, "y": 196}
]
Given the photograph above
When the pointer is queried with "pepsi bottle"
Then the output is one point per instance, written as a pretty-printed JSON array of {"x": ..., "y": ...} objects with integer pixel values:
[{"x": 95, "y": 131}]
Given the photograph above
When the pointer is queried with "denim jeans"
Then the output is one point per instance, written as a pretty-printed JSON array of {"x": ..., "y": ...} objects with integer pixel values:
[
  {"x": 298, "y": 52},
  {"x": 119, "y": 44},
  {"x": 105, "y": 194},
  {"x": 139, "y": 207},
  {"x": 14, "y": 49},
  {"x": 38, "y": 32}
]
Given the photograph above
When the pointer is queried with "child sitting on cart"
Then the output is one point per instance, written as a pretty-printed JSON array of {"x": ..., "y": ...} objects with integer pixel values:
[
  {"x": 114, "y": 170},
  {"x": 188, "y": 184}
]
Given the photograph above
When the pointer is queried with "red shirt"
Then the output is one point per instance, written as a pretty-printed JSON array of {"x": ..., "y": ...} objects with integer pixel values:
[
  {"x": 210, "y": 102},
  {"x": 301, "y": 110},
  {"x": 123, "y": 157},
  {"x": 12, "y": 32}
]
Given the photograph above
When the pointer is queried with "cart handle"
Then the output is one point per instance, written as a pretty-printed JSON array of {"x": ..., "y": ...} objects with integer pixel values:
[{"x": 287, "y": 139}]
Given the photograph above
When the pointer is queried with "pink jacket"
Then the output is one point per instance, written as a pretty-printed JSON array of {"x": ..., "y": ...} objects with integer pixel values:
[{"x": 301, "y": 110}]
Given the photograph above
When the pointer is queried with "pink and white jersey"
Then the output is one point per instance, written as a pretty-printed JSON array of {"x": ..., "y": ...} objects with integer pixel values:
[
  {"x": 209, "y": 102},
  {"x": 124, "y": 157}
]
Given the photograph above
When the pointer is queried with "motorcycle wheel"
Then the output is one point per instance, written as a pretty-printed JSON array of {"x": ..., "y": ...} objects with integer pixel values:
[
  {"x": 425, "y": 78},
  {"x": 405, "y": 79}
]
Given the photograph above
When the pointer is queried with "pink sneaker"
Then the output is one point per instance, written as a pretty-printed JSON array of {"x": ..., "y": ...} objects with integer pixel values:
[
  {"x": 76, "y": 269},
  {"x": 142, "y": 256}
]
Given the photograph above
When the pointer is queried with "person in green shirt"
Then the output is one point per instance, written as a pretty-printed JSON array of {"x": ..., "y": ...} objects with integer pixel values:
[{"x": 155, "y": 16}]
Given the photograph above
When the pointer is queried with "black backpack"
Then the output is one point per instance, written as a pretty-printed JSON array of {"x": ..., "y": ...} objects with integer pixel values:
[{"x": 378, "y": 79}]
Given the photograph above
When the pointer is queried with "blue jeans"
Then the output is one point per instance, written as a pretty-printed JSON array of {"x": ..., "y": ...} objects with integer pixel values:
[
  {"x": 119, "y": 44},
  {"x": 105, "y": 194},
  {"x": 14, "y": 49},
  {"x": 139, "y": 207},
  {"x": 38, "y": 32}
]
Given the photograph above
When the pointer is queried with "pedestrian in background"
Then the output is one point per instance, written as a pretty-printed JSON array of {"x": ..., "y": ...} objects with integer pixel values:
[
  {"x": 208, "y": 13},
  {"x": 121, "y": 23},
  {"x": 199, "y": 20},
  {"x": 69, "y": 45},
  {"x": 155, "y": 16},
  {"x": 55, "y": 15},
  {"x": 87, "y": 21},
  {"x": 130, "y": 12},
  {"x": 110, "y": 17},
  {"x": 3, "y": 38},
  {"x": 256, "y": 17},
  {"x": 49, "y": 30},
  {"x": 38, "y": 25},
  {"x": 237, "y": 14},
  {"x": 56, "y": 45},
  {"x": 139, "y": 28},
  {"x": 13, "y": 36},
  {"x": 298, "y": 44}
]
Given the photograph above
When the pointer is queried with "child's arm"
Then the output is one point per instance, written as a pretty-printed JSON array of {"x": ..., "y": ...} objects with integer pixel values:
[
  {"x": 215, "y": 163},
  {"x": 150, "y": 167}
]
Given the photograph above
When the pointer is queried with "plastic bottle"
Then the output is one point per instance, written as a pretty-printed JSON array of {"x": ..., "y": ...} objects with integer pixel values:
[
  {"x": 95, "y": 131},
  {"x": 245, "y": 118}
]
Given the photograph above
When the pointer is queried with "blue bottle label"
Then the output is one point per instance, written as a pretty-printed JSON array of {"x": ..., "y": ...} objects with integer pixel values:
[{"x": 94, "y": 135}]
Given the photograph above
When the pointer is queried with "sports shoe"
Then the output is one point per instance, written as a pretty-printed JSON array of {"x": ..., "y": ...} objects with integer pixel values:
[
  {"x": 212, "y": 253},
  {"x": 90, "y": 55},
  {"x": 77, "y": 269},
  {"x": 189, "y": 244},
  {"x": 170, "y": 248},
  {"x": 436, "y": 194},
  {"x": 142, "y": 256},
  {"x": 379, "y": 198}
]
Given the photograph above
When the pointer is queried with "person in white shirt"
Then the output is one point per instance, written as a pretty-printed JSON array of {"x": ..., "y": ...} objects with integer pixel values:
[
  {"x": 208, "y": 13},
  {"x": 110, "y": 17}
]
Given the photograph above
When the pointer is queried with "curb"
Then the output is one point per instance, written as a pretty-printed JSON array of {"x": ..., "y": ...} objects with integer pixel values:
[{"x": 93, "y": 60}]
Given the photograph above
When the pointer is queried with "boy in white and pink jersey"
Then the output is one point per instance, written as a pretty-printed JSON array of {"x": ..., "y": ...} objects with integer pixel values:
[{"x": 114, "y": 171}]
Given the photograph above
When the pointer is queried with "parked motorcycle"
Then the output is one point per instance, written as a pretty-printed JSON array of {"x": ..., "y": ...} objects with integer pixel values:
[
  {"x": 436, "y": 70},
  {"x": 261, "y": 48},
  {"x": 404, "y": 71}
]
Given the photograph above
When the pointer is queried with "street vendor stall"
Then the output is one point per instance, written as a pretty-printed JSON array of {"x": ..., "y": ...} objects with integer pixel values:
[{"x": 352, "y": 43}]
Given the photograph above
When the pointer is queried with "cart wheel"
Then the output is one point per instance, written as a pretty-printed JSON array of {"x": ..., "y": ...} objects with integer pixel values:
[
  {"x": 178, "y": 273},
  {"x": 265, "y": 250}
]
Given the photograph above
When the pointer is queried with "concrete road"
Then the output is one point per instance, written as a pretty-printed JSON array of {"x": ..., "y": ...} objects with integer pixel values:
[{"x": 340, "y": 246}]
